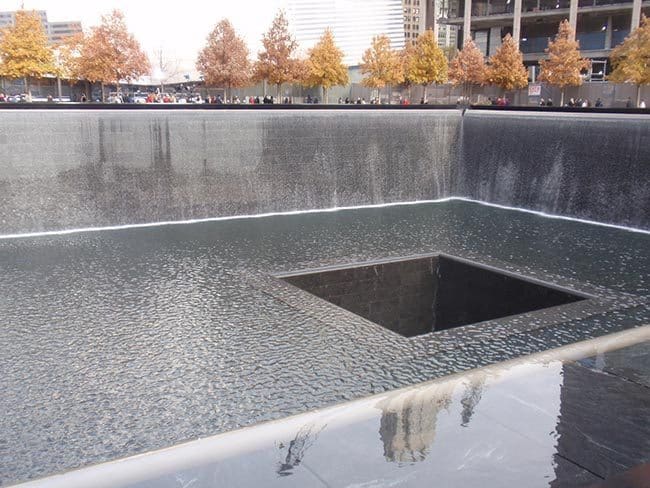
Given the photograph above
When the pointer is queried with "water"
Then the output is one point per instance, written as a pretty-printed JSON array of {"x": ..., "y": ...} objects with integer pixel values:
[
  {"x": 119, "y": 342},
  {"x": 567, "y": 165}
]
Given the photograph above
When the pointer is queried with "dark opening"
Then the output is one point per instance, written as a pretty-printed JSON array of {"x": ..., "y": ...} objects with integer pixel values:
[{"x": 418, "y": 296}]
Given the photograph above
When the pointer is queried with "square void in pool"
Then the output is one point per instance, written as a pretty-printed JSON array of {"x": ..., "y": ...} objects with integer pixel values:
[{"x": 417, "y": 296}]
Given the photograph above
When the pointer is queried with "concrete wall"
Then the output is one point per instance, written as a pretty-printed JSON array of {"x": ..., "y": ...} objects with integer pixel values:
[
  {"x": 71, "y": 169},
  {"x": 591, "y": 166}
]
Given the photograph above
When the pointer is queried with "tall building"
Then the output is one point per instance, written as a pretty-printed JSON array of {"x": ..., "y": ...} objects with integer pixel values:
[
  {"x": 426, "y": 14},
  {"x": 353, "y": 22},
  {"x": 56, "y": 31},
  {"x": 415, "y": 18},
  {"x": 600, "y": 25}
]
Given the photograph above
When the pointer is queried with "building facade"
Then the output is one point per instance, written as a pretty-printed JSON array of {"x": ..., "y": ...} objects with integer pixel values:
[
  {"x": 56, "y": 31},
  {"x": 426, "y": 14},
  {"x": 600, "y": 25},
  {"x": 353, "y": 22}
]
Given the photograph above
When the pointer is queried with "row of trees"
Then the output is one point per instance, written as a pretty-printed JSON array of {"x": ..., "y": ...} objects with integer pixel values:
[
  {"x": 108, "y": 54},
  {"x": 224, "y": 61},
  {"x": 425, "y": 63}
]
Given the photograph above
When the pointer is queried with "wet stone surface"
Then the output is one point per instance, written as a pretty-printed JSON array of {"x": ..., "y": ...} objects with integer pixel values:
[{"x": 120, "y": 342}]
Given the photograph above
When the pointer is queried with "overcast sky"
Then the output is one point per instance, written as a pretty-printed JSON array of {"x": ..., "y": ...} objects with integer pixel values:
[{"x": 179, "y": 28}]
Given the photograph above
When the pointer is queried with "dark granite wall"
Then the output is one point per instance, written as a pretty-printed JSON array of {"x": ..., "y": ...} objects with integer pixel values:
[
  {"x": 590, "y": 166},
  {"x": 399, "y": 295},
  {"x": 88, "y": 169},
  {"x": 72, "y": 169}
]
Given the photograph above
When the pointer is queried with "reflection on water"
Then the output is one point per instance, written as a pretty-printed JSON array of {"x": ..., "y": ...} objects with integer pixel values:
[
  {"x": 297, "y": 448},
  {"x": 408, "y": 422},
  {"x": 472, "y": 397}
]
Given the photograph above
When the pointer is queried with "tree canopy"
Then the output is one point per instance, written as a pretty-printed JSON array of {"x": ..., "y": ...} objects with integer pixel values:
[
  {"x": 111, "y": 54},
  {"x": 506, "y": 67},
  {"x": 24, "y": 51},
  {"x": 631, "y": 59},
  {"x": 468, "y": 67},
  {"x": 224, "y": 59},
  {"x": 381, "y": 65},
  {"x": 427, "y": 63},
  {"x": 325, "y": 64},
  {"x": 564, "y": 64},
  {"x": 276, "y": 63}
]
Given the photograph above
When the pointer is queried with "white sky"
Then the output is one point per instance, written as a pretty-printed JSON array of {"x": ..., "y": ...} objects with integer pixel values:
[{"x": 179, "y": 28}]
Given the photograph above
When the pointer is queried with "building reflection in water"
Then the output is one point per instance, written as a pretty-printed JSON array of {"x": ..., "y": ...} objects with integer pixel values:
[{"x": 408, "y": 421}]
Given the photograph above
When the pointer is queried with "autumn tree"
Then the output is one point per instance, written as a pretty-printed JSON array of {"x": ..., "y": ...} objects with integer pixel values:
[
  {"x": 111, "y": 54},
  {"x": 631, "y": 59},
  {"x": 325, "y": 65},
  {"x": 224, "y": 59},
  {"x": 68, "y": 55},
  {"x": 24, "y": 52},
  {"x": 468, "y": 68},
  {"x": 563, "y": 66},
  {"x": 381, "y": 66},
  {"x": 428, "y": 63},
  {"x": 506, "y": 67},
  {"x": 277, "y": 63},
  {"x": 407, "y": 56}
]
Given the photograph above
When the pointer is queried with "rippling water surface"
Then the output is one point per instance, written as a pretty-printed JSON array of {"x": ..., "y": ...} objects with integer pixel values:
[{"x": 119, "y": 342}]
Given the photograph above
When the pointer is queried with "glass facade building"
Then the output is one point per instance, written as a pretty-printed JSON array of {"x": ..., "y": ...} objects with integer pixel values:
[{"x": 353, "y": 22}]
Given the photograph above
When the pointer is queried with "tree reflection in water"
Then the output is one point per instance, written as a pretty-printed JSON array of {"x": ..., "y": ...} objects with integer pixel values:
[{"x": 295, "y": 451}]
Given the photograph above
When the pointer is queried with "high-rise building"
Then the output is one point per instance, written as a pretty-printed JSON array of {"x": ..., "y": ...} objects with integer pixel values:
[
  {"x": 353, "y": 22},
  {"x": 599, "y": 26},
  {"x": 426, "y": 14},
  {"x": 56, "y": 31},
  {"x": 415, "y": 18}
]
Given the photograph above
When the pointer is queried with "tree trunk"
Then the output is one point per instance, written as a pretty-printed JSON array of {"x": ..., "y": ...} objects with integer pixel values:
[
  {"x": 279, "y": 92},
  {"x": 638, "y": 96},
  {"x": 469, "y": 98},
  {"x": 28, "y": 90},
  {"x": 103, "y": 94},
  {"x": 562, "y": 98},
  {"x": 424, "y": 95},
  {"x": 326, "y": 95}
]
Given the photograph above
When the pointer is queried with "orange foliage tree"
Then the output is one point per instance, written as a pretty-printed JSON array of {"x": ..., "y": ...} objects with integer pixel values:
[
  {"x": 277, "y": 63},
  {"x": 325, "y": 65},
  {"x": 111, "y": 54},
  {"x": 468, "y": 68},
  {"x": 24, "y": 52},
  {"x": 381, "y": 66},
  {"x": 563, "y": 66},
  {"x": 631, "y": 59},
  {"x": 428, "y": 64},
  {"x": 224, "y": 59},
  {"x": 506, "y": 67}
]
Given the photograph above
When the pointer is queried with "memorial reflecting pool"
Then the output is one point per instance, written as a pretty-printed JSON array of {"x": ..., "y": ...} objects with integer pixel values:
[{"x": 120, "y": 342}]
